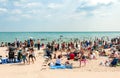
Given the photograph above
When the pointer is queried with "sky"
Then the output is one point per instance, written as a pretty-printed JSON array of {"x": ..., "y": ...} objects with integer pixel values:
[{"x": 59, "y": 15}]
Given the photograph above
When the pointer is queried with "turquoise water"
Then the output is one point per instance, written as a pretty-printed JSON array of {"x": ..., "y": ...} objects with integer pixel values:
[{"x": 11, "y": 36}]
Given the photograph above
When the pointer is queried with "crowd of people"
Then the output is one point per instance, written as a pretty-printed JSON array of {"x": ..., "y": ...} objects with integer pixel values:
[
  {"x": 75, "y": 50},
  {"x": 84, "y": 50},
  {"x": 19, "y": 51}
]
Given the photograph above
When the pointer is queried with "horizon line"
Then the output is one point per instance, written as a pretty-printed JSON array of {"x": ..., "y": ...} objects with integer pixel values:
[{"x": 57, "y": 31}]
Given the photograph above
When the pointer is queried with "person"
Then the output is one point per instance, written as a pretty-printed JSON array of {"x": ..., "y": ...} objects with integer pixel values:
[
  {"x": 82, "y": 59},
  {"x": 38, "y": 44},
  {"x": 25, "y": 43},
  {"x": 54, "y": 56},
  {"x": 2, "y": 44},
  {"x": 11, "y": 53},
  {"x": 115, "y": 60},
  {"x": 24, "y": 55},
  {"x": 18, "y": 43},
  {"x": 58, "y": 61},
  {"x": 31, "y": 43},
  {"x": 31, "y": 56},
  {"x": 48, "y": 45},
  {"x": 91, "y": 55},
  {"x": 42, "y": 45},
  {"x": 72, "y": 55},
  {"x": 19, "y": 55},
  {"x": 33, "y": 53},
  {"x": 28, "y": 43},
  {"x": 0, "y": 59},
  {"x": 68, "y": 65},
  {"x": 48, "y": 53}
]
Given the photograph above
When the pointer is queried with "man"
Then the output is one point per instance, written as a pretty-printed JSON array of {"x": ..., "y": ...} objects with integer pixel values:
[
  {"x": 11, "y": 53},
  {"x": 48, "y": 53},
  {"x": 38, "y": 44}
]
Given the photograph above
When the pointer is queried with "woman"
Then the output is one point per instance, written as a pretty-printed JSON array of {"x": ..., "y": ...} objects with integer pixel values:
[
  {"x": 58, "y": 61},
  {"x": 33, "y": 53},
  {"x": 24, "y": 55},
  {"x": 82, "y": 59},
  {"x": 31, "y": 56}
]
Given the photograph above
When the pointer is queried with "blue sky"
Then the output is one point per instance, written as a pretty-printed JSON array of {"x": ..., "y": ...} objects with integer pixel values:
[{"x": 59, "y": 15}]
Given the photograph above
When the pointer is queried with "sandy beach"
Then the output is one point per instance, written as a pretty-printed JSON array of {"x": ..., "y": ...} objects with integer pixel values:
[
  {"x": 59, "y": 38},
  {"x": 92, "y": 69}
]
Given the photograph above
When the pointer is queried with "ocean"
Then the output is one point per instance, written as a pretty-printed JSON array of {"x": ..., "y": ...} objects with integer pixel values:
[{"x": 49, "y": 36}]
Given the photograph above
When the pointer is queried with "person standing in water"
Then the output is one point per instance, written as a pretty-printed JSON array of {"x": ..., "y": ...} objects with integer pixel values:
[{"x": 38, "y": 44}]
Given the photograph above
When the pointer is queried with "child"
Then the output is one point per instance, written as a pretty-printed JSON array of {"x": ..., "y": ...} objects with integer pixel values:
[{"x": 24, "y": 55}]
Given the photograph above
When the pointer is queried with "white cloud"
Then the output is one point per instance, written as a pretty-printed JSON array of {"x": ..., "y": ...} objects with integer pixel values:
[
  {"x": 3, "y": 0},
  {"x": 27, "y": 4},
  {"x": 95, "y": 2},
  {"x": 101, "y": 13},
  {"x": 34, "y": 11},
  {"x": 26, "y": 16},
  {"x": 48, "y": 16},
  {"x": 3, "y": 10},
  {"x": 16, "y": 11},
  {"x": 96, "y": 7},
  {"x": 54, "y": 6},
  {"x": 33, "y": 4},
  {"x": 18, "y": 4},
  {"x": 13, "y": 18},
  {"x": 76, "y": 15},
  {"x": 23, "y": 0}
]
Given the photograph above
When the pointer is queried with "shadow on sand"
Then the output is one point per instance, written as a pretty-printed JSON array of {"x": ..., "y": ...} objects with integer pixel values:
[{"x": 18, "y": 64}]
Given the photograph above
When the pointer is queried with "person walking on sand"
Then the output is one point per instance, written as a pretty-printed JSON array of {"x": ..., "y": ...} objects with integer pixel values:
[{"x": 31, "y": 56}]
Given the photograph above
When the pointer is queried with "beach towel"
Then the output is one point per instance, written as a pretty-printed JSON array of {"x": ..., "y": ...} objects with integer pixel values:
[
  {"x": 4, "y": 60},
  {"x": 58, "y": 67}
]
